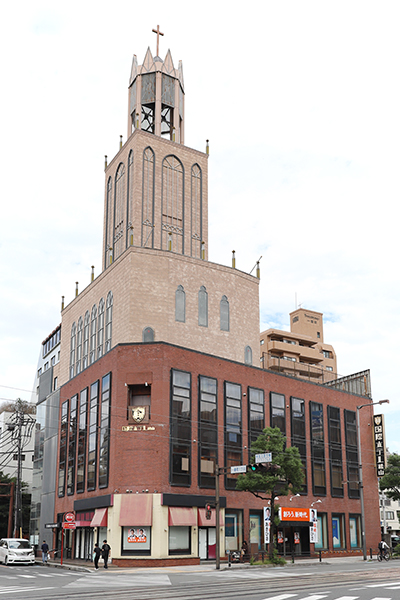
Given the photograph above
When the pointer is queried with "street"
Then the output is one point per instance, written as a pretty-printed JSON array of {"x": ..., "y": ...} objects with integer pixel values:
[{"x": 311, "y": 581}]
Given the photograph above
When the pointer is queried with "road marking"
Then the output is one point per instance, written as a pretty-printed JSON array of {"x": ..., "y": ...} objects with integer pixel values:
[
  {"x": 319, "y": 596},
  {"x": 374, "y": 585},
  {"x": 347, "y": 598},
  {"x": 120, "y": 581},
  {"x": 29, "y": 576},
  {"x": 381, "y": 598},
  {"x": 282, "y": 597},
  {"x": 24, "y": 589}
]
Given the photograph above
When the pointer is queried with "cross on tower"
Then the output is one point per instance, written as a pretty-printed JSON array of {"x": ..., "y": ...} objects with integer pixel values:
[{"x": 158, "y": 32}]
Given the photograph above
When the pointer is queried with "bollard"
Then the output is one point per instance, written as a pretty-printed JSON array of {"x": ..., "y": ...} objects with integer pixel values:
[
  {"x": 229, "y": 559},
  {"x": 370, "y": 553},
  {"x": 320, "y": 556},
  {"x": 292, "y": 556}
]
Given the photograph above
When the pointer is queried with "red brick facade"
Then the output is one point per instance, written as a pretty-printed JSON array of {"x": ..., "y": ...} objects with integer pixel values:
[{"x": 140, "y": 460}]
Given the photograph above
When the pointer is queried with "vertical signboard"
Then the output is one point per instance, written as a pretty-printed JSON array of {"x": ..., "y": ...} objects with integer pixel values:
[
  {"x": 380, "y": 446},
  {"x": 267, "y": 523},
  {"x": 313, "y": 526}
]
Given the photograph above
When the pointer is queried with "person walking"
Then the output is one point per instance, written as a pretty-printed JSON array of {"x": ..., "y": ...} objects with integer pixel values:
[
  {"x": 105, "y": 550},
  {"x": 96, "y": 555},
  {"x": 45, "y": 550}
]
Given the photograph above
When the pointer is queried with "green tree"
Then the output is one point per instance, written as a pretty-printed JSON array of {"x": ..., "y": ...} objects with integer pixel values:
[
  {"x": 5, "y": 505},
  {"x": 284, "y": 474},
  {"x": 390, "y": 482}
]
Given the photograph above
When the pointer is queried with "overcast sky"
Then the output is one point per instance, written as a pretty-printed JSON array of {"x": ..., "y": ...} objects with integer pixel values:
[{"x": 300, "y": 101}]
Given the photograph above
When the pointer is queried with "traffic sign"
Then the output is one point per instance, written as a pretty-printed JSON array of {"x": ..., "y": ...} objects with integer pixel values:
[
  {"x": 239, "y": 469},
  {"x": 69, "y": 517},
  {"x": 263, "y": 458},
  {"x": 69, "y": 525}
]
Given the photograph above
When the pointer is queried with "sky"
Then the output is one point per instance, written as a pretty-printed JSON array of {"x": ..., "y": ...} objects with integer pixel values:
[{"x": 300, "y": 101}]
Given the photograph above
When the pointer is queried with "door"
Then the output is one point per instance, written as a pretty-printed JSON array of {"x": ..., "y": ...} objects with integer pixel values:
[{"x": 203, "y": 543}]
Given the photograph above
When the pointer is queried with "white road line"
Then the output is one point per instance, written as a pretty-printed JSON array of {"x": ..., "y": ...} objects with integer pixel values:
[
  {"x": 318, "y": 597},
  {"x": 374, "y": 585},
  {"x": 29, "y": 576},
  {"x": 396, "y": 587},
  {"x": 282, "y": 597},
  {"x": 347, "y": 598},
  {"x": 24, "y": 589},
  {"x": 381, "y": 598}
]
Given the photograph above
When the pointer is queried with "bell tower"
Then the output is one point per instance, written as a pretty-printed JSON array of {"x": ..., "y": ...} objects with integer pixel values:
[{"x": 156, "y": 96}]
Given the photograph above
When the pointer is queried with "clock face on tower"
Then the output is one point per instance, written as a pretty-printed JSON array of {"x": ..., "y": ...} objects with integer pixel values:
[{"x": 138, "y": 413}]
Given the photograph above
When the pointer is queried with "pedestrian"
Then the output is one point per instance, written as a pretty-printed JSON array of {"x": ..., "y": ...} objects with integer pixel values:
[
  {"x": 383, "y": 548},
  {"x": 96, "y": 555},
  {"x": 45, "y": 550},
  {"x": 105, "y": 551}
]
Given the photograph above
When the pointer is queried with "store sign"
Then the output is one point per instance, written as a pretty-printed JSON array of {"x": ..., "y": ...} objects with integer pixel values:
[
  {"x": 296, "y": 514},
  {"x": 380, "y": 445},
  {"x": 137, "y": 428},
  {"x": 314, "y": 527}
]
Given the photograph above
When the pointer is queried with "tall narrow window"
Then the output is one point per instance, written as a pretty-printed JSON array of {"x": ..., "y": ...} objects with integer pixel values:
[
  {"x": 72, "y": 351},
  {"x": 93, "y": 325},
  {"x": 233, "y": 430},
  {"x": 180, "y": 428},
  {"x": 119, "y": 212},
  {"x": 72, "y": 446},
  {"x": 104, "y": 446},
  {"x": 148, "y": 334},
  {"x": 277, "y": 402},
  {"x": 129, "y": 199},
  {"x": 335, "y": 451},
  {"x": 248, "y": 356},
  {"x": 82, "y": 437},
  {"x": 196, "y": 211},
  {"x": 353, "y": 488},
  {"x": 224, "y": 314},
  {"x": 109, "y": 224},
  {"x": 92, "y": 441},
  {"x": 172, "y": 212},
  {"x": 100, "y": 333},
  {"x": 203, "y": 307},
  {"x": 180, "y": 304},
  {"x": 109, "y": 309},
  {"x": 62, "y": 462},
  {"x": 317, "y": 448},
  {"x": 86, "y": 326},
  {"x": 208, "y": 431},
  {"x": 79, "y": 346},
  {"x": 298, "y": 428},
  {"x": 256, "y": 414},
  {"x": 148, "y": 199}
]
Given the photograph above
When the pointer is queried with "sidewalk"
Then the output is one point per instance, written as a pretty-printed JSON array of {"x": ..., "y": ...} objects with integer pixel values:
[{"x": 88, "y": 567}]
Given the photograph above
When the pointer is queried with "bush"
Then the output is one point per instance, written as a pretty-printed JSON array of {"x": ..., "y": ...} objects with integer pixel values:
[{"x": 396, "y": 551}]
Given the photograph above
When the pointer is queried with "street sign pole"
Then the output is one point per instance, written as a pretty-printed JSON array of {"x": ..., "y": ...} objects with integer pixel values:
[{"x": 217, "y": 544}]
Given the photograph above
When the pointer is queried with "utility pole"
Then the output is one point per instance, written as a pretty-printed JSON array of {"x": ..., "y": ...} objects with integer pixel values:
[{"x": 21, "y": 426}]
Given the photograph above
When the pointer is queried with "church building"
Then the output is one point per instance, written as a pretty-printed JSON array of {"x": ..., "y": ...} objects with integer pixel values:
[{"x": 159, "y": 377}]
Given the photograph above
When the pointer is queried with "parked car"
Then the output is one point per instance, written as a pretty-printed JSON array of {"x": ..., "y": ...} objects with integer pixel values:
[{"x": 16, "y": 551}]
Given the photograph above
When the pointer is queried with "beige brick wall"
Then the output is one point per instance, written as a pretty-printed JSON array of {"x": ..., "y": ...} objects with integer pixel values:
[
  {"x": 137, "y": 142},
  {"x": 143, "y": 283}
]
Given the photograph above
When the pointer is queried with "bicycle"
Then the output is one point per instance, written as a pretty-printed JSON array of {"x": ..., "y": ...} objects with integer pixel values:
[{"x": 384, "y": 555}]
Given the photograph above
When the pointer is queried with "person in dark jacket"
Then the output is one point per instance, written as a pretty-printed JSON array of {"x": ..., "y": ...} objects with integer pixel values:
[
  {"x": 105, "y": 551},
  {"x": 45, "y": 550},
  {"x": 96, "y": 555}
]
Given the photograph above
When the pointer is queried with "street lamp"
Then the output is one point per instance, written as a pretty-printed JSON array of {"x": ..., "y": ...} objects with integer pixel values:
[{"x": 360, "y": 479}]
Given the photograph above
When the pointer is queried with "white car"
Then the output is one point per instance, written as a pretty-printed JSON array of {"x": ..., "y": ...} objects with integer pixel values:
[{"x": 16, "y": 551}]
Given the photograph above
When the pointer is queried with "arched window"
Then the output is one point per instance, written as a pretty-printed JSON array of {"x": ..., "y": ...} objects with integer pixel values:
[
  {"x": 119, "y": 212},
  {"x": 129, "y": 198},
  {"x": 72, "y": 351},
  {"x": 86, "y": 326},
  {"x": 203, "y": 307},
  {"x": 180, "y": 304},
  {"x": 93, "y": 334},
  {"x": 109, "y": 224},
  {"x": 109, "y": 308},
  {"x": 224, "y": 314},
  {"x": 148, "y": 334},
  {"x": 79, "y": 346},
  {"x": 148, "y": 199},
  {"x": 248, "y": 355},
  {"x": 100, "y": 329},
  {"x": 172, "y": 212},
  {"x": 196, "y": 211}
]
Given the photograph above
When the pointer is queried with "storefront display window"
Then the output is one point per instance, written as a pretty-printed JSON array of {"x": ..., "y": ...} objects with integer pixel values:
[
  {"x": 179, "y": 540},
  {"x": 136, "y": 540}
]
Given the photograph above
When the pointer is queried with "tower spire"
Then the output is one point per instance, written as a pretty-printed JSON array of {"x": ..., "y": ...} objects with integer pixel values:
[{"x": 158, "y": 32}]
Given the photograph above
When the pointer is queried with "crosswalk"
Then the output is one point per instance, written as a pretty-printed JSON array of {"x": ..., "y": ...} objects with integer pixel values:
[{"x": 330, "y": 596}]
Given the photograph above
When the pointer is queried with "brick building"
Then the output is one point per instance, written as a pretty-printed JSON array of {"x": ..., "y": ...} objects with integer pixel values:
[{"x": 159, "y": 377}]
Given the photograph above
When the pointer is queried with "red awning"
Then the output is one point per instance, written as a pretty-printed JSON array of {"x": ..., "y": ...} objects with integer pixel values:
[
  {"x": 182, "y": 516},
  {"x": 203, "y": 522},
  {"x": 136, "y": 509},
  {"x": 99, "y": 518}
]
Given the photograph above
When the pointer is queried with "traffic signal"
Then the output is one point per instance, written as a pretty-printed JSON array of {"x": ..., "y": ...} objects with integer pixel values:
[
  {"x": 208, "y": 511},
  {"x": 257, "y": 468}
]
